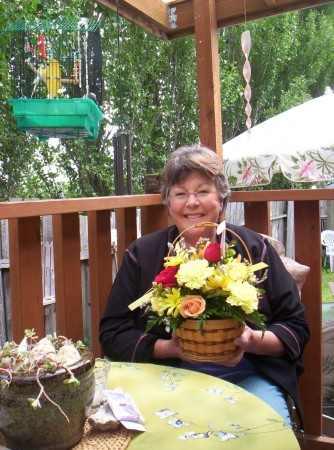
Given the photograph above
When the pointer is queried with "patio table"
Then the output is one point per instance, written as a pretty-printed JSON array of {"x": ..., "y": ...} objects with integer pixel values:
[{"x": 188, "y": 410}]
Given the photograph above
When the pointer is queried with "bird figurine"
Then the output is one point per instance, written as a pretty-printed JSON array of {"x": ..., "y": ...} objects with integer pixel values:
[{"x": 40, "y": 73}]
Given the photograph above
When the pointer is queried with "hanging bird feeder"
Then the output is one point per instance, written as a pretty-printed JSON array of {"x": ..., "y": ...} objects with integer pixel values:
[{"x": 56, "y": 77}]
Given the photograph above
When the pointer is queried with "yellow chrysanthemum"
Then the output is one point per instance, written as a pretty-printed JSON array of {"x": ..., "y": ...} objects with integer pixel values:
[
  {"x": 236, "y": 270},
  {"x": 217, "y": 281},
  {"x": 244, "y": 295},
  {"x": 193, "y": 274},
  {"x": 176, "y": 260},
  {"x": 158, "y": 305},
  {"x": 174, "y": 299},
  {"x": 168, "y": 305}
]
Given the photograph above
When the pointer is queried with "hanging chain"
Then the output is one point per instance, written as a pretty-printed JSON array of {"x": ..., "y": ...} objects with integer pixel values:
[
  {"x": 245, "y": 12},
  {"x": 119, "y": 66}
]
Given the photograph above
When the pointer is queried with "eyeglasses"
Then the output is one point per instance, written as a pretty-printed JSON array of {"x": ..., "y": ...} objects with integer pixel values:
[{"x": 182, "y": 197}]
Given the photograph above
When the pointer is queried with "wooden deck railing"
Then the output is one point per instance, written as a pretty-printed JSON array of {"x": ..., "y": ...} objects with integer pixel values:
[{"x": 26, "y": 268}]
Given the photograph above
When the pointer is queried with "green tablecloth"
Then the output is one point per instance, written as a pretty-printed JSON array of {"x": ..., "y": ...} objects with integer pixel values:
[{"x": 188, "y": 410}]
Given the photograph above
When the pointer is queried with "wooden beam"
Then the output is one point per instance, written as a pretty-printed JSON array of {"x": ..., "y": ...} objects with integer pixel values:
[
  {"x": 231, "y": 12},
  {"x": 154, "y": 15},
  {"x": 156, "y": 11},
  {"x": 151, "y": 16},
  {"x": 9, "y": 210},
  {"x": 208, "y": 75}
]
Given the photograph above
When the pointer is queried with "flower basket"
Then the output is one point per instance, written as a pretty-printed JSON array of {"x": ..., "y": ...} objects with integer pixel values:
[
  {"x": 205, "y": 295},
  {"x": 215, "y": 344}
]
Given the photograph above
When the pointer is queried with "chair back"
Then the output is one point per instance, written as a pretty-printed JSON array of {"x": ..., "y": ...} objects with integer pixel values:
[{"x": 327, "y": 239}]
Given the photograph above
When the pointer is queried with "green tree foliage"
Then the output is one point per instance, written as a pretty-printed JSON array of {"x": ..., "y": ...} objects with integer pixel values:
[{"x": 150, "y": 92}]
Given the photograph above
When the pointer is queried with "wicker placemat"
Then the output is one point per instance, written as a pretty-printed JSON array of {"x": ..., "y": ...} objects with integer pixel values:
[
  {"x": 118, "y": 439},
  {"x": 2, "y": 441}
]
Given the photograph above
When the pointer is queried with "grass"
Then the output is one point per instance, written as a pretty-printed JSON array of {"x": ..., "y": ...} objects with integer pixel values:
[{"x": 327, "y": 276}]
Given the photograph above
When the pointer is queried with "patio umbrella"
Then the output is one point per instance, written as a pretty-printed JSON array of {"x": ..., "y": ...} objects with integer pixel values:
[{"x": 298, "y": 142}]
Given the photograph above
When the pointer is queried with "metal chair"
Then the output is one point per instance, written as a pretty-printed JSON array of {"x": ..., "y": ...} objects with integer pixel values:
[{"x": 327, "y": 240}]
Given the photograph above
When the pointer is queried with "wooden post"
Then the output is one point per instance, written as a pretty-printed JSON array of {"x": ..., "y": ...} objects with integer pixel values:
[
  {"x": 26, "y": 276},
  {"x": 66, "y": 236},
  {"x": 307, "y": 243},
  {"x": 257, "y": 217},
  {"x": 205, "y": 20},
  {"x": 100, "y": 269},
  {"x": 126, "y": 230},
  {"x": 154, "y": 218}
]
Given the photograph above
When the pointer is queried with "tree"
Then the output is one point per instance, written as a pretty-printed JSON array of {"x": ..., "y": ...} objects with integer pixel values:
[{"x": 150, "y": 92}]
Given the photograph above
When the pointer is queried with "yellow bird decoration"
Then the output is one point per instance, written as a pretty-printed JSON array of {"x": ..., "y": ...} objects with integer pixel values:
[{"x": 53, "y": 77}]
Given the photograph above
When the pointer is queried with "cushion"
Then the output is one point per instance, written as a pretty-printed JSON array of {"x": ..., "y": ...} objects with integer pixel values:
[
  {"x": 298, "y": 271},
  {"x": 278, "y": 246}
]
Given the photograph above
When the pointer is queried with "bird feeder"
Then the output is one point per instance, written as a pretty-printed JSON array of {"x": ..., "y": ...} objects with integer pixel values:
[{"x": 56, "y": 77}]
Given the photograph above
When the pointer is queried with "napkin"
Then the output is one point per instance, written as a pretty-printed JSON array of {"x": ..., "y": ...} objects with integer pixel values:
[{"x": 124, "y": 409}]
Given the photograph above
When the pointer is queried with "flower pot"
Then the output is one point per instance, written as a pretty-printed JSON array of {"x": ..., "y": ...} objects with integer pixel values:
[
  {"x": 45, "y": 428},
  {"x": 216, "y": 342}
]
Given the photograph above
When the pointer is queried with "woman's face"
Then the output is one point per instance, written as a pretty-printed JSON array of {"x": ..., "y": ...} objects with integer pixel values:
[{"x": 194, "y": 200}]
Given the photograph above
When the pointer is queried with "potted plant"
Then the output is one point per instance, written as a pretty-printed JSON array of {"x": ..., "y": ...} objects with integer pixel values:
[
  {"x": 47, "y": 387},
  {"x": 204, "y": 295}
]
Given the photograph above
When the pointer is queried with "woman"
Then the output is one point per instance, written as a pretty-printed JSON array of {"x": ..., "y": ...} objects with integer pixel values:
[{"x": 195, "y": 190}]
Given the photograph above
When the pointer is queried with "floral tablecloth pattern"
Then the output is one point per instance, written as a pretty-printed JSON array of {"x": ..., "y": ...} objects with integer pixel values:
[{"x": 188, "y": 410}]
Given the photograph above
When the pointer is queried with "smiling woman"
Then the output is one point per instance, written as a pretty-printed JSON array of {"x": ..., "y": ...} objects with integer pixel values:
[{"x": 195, "y": 191}]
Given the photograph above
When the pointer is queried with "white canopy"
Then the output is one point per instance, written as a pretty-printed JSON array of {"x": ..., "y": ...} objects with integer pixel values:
[{"x": 298, "y": 142}]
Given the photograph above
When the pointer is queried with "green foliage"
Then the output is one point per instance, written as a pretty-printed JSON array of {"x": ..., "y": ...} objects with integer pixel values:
[
  {"x": 150, "y": 91},
  {"x": 327, "y": 276}
]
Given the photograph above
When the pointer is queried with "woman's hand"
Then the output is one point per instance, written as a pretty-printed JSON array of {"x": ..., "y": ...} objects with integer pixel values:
[
  {"x": 164, "y": 349},
  {"x": 252, "y": 341}
]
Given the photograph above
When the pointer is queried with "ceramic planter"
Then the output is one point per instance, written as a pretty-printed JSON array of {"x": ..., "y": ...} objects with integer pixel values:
[{"x": 46, "y": 428}]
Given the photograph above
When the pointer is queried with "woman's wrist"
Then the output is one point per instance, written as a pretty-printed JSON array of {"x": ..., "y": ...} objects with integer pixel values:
[
  {"x": 161, "y": 349},
  {"x": 265, "y": 344},
  {"x": 167, "y": 348}
]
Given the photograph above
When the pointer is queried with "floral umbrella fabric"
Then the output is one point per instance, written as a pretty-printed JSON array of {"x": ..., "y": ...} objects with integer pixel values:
[{"x": 298, "y": 142}]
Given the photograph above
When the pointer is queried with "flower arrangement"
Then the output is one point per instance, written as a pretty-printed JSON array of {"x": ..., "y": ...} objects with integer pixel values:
[{"x": 206, "y": 282}]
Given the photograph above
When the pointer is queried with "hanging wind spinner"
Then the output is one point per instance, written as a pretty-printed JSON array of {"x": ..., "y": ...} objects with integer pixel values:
[{"x": 247, "y": 71}]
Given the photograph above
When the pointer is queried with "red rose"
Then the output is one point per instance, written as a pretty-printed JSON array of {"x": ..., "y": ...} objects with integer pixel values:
[
  {"x": 212, "y": 252},
  {"x": 167, "y": 276}
]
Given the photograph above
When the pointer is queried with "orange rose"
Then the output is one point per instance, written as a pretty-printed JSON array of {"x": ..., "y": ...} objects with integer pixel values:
[{"x": 192, "y": 306}]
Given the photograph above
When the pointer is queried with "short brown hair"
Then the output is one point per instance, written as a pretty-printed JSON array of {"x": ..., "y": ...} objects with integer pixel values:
[{"x": 187, "y": 159}]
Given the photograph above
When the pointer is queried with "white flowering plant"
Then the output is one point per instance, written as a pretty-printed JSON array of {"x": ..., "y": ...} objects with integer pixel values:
[
  {"x": 204, "y": 282},
  {"x": 39, "y": 357}
]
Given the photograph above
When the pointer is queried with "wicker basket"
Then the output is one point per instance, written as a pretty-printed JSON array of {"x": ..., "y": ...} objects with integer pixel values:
[{"x": 214, "y": 345}]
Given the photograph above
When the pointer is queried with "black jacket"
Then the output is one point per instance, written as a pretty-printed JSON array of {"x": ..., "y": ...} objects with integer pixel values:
[{"x": 122, "y": 332}]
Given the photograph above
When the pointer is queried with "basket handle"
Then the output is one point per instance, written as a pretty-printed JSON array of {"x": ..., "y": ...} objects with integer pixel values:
[{"x": 214, "y": 225}]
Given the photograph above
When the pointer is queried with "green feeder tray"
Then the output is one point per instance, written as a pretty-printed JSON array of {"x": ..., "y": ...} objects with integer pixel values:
[{"x": 58, "y": 118}]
